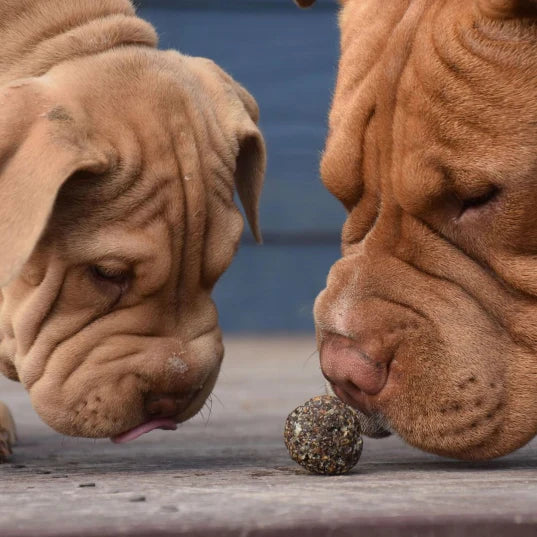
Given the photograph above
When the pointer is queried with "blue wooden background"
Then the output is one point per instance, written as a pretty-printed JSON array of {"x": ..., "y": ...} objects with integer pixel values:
[{"x": 287, "y": 59}]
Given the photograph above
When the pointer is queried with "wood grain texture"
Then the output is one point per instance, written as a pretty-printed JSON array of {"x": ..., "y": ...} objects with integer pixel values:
[{"x": 230, "y": 474}]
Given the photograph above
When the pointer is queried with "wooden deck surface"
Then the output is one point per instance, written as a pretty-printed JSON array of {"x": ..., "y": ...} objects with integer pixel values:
[{"x": 229, "y": 474}]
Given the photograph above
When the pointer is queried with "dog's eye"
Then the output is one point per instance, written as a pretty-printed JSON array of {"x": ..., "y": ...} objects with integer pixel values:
[
  {"x": 477, "y": 202},
  {"x": 110, "y": 275}
]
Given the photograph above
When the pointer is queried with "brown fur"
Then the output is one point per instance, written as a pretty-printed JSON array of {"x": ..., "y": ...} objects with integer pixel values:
[
  {"x": 435, "y": 105},
  {"x": 118, "y": 156}
]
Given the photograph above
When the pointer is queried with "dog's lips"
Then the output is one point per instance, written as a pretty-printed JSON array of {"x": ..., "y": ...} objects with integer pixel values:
[{"x": 163, "y": 423}]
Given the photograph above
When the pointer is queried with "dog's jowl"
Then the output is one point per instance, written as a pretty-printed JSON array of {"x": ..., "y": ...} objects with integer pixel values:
[
  {"x": 118, "y": 167},
  {"x": 428, "y": 323}
]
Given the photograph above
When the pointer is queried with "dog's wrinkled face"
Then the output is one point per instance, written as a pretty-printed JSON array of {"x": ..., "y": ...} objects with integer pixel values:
[
  {"x": 116, "y": 220},
  {"x": 428, "y": 323}
]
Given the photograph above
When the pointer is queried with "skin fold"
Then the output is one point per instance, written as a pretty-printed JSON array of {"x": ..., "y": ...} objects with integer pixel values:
[
  {"x": 119, "y": 165},
  {"x": 428, "y": 322}
]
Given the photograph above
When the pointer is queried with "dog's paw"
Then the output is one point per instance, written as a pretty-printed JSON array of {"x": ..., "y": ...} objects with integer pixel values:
[
  {"x": 5, "y": 446},
  {"x": 7, "y": 432}
]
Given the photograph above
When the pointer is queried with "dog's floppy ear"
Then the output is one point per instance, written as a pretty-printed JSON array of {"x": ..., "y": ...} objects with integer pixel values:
[
  {"x": 508, "y": 9},
  {"x": 251, "y": 162},
  {"x": 242, "y": 116},
  {"x": 41, "y": 146}
]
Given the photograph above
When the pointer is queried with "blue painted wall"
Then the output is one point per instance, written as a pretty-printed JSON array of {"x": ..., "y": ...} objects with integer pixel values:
[{"x": 287, "y": 59}]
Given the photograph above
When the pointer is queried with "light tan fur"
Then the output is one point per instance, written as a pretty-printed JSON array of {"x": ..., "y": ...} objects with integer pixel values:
[
  {"x": 436, "y": 106},
  {"x": 121, "y": 159},
  {"x": 7, "y": 431}
]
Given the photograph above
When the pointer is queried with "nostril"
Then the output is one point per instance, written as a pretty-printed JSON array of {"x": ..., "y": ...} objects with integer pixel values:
[
  {"x": 348, "y": 366},
  {"x": 161, "y": 405}
]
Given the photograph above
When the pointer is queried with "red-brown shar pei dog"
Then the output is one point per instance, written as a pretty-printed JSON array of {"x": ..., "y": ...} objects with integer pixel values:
[
  {"x": 428, "y": 323},
  {"x": 118, "y": 164}
]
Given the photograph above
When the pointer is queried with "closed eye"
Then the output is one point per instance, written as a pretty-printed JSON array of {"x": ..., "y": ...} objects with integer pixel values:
[
  {"x": 478, "y": 202},
  {"x": 112, "y": 276}
]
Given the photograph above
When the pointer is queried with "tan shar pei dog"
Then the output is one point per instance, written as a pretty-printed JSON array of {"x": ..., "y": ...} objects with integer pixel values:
[
  {"x": 118, "y": 167},
  {"x": 428, "y": 323}
]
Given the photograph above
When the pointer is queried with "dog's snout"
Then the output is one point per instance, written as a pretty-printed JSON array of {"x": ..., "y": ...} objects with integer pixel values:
[{"x": 349, "y": 366}]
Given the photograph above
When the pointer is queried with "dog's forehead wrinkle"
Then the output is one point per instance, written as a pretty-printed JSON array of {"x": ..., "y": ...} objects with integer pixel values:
[
  {"x": 134, "y": 194},
  {"x": 149, "y": 199},
  {"x": 386, "y": 71},
  {"x": 216, "y": 157},
  {"x": 68, "y": 34},
  {"x": 451, "y": 55}
]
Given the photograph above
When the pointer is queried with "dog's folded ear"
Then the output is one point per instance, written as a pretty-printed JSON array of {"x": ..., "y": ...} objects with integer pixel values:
[
  {"x": 41, "y": 146},
  {"x": 251, "y": 160},
  {"x": 240, "y": 114},
  {"x": 251, "y": 164},
  {"x": 508, "y": 9}
]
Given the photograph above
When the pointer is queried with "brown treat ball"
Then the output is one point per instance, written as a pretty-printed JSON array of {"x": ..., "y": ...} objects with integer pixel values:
[{"x": 323, "y": 436}]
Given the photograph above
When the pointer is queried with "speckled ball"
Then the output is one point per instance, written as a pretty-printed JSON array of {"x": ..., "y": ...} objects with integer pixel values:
[{"x": 323, "y": 436}]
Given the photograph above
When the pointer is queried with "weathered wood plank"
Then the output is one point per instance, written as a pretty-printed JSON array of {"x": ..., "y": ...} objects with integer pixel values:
[{"x": 232, "y": 476}]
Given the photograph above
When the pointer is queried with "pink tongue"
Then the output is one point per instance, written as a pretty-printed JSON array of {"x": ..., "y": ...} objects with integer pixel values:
[{"x": 147, "y": 427}]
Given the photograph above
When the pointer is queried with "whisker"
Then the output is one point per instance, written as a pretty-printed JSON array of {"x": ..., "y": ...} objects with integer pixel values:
[
  {"x": 310, "y": 357},
  {"x": 206, "y": 419},
  {"x": 210, "y": 405},
  {"x": 218, "y": 399}
]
